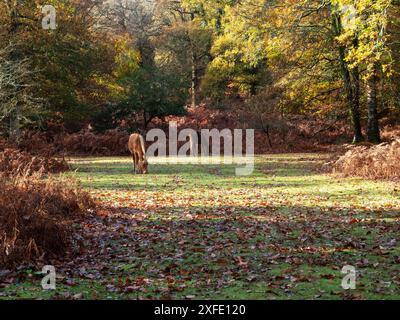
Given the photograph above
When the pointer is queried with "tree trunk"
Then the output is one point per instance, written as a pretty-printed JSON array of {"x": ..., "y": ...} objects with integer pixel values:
[
  {"x": 266, "y": 130},
  {"x": 352, "y": 90},
  {"x": 372, "y": 104},
  {"x": 145, "y": 120},
  {"x": 351, "y": 81},
  {"x": 16, "y": 125},
  {"x": 193, "y": 90},
  {"x": 194, "y": 80},
  {"x": 355, "y": 108}
]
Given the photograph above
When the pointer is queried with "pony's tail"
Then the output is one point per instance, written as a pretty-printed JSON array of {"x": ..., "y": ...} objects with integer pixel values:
[{"x": 143, "y": 146}]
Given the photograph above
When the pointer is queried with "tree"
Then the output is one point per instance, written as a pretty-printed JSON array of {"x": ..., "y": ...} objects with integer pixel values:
[
  {"x": 66, "y": 60},
  {"x": 371, "y": 52},
  {"x": 18, "y": 104},
  {"x": 142, "y": 92},
  {"x": 263, "y": 113},
  {"x": 351, "y": 76},
  {"x": 239, "y": 52},
  {"x": 153, "y": 93},
  {"x": 136, "y": 18},
  {"x": 185, "y": 44}
]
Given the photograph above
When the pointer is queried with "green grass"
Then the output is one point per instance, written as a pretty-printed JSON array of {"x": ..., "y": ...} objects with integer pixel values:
[{"x": 285, "y": 232}]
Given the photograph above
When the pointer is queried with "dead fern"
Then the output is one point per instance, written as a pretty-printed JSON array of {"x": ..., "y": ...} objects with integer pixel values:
[
  {"x": 36, "y": 215},
  {"x": 373, "y": 162}
]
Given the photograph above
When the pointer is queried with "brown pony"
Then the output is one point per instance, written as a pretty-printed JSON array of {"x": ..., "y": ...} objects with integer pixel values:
[{"x": 138, "y": 150}]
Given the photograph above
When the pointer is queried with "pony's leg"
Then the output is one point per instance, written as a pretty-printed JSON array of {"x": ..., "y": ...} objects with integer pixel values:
[
  {"x": 141, "y": 162},
  {"x": 134, "y": 162}
]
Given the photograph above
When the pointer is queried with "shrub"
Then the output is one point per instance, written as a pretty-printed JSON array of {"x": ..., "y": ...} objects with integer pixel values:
[
  {"x": 36, "y": 216},
  {"x": 112, "y": 142},
  {"x": 83, "y": 143},
  {"x": 13, "y": 161},
  {"x": 376, "y": 162}
]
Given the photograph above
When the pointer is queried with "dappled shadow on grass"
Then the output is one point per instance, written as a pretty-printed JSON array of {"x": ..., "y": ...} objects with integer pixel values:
[
  {"x": 205, "y": 251},
  {"x": 321, "y": 190},
  {"x": 107, "y": 183}
]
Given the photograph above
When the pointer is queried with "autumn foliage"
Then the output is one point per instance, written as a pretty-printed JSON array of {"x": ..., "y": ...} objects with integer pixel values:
[
  {"x": 85, "y": 142},
  {"x": 36, "y": 216},
  {"x": 15, "y": 161},
  {"x": 113, "y": 142},
  {"x": 376, "y": 162}
]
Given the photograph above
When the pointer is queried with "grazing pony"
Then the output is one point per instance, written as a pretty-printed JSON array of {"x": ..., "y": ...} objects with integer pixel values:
[{"x": 138, "y": 150}]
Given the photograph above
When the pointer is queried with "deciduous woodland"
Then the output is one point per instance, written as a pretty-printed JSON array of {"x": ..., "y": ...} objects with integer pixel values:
[{"x": 318, "y": 81}]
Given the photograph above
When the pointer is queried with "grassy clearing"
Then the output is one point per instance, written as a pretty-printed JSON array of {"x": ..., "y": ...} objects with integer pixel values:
[{"x": 189, "y": 230}]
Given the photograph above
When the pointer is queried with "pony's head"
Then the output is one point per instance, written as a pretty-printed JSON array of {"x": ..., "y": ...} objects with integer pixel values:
[{"x": 144, "y": 167}]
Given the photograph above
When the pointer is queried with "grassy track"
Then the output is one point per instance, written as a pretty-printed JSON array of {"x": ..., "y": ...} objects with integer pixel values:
[{"x": 199, "y": 231}]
